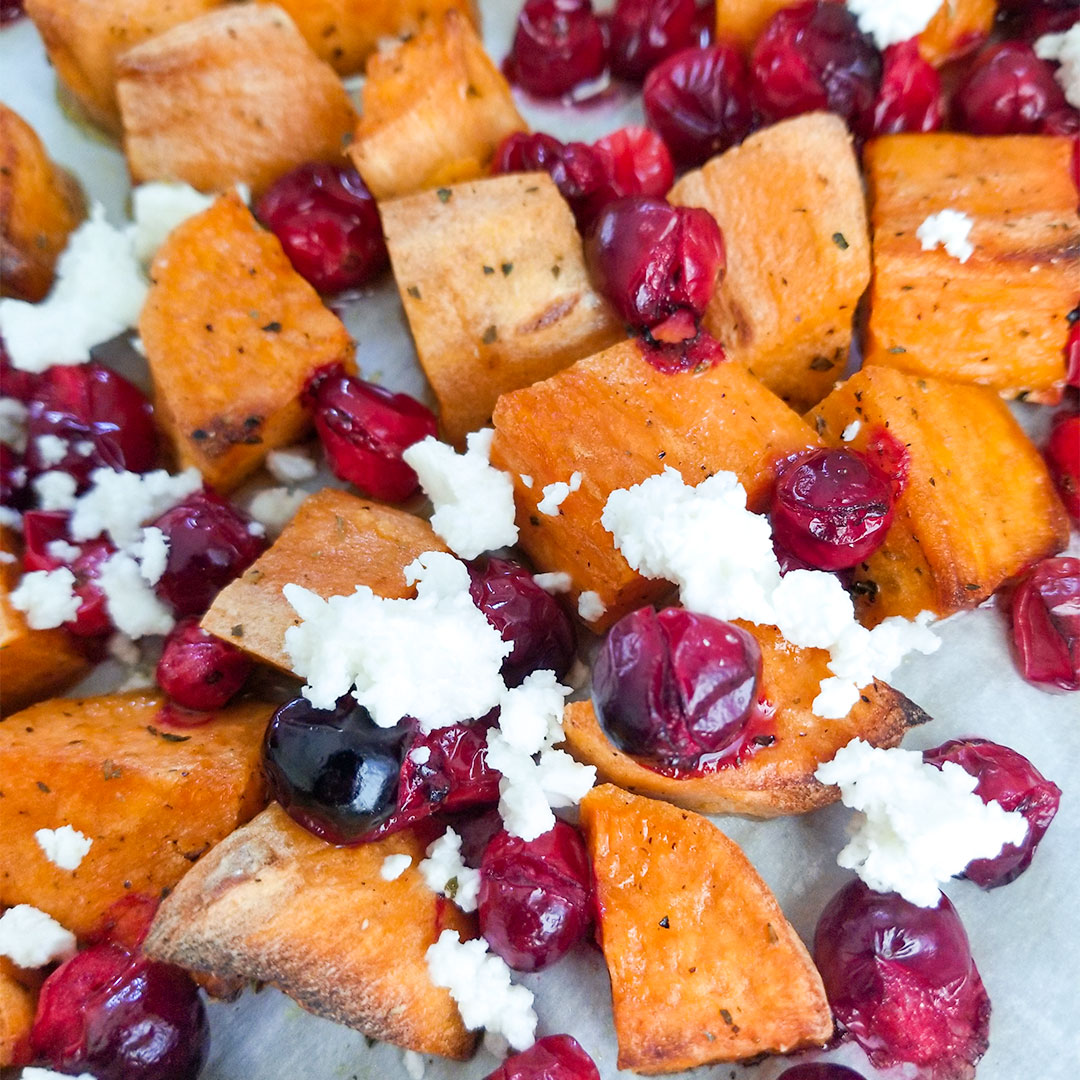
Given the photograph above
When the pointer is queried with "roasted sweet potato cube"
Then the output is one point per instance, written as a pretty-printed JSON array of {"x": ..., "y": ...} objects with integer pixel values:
[
  {"x": 232, "y": 333},
  {"x": 40, "y": 204},
  {"x": 618, "y": 420},
  {"x": 494, "y": 284},
  {"x": 741, "y": 21},
  {"x": 775, "y": 779},
  {"x": 335, "y": 542},
  {"x": 957, "y": 28},
  {"x": 790, "y": 203},
  {"x": 704, "y": 967},
  {"x": 277, "y": 904},
  {"x": 979, "y": 506},
  {"x": 151, "y": 797},
  {"x": 998, "y": 319},
  {"x": 18, "y": 1000},
  {"x": 434, "y": 110},
  {"x": 235, "y": 95}
]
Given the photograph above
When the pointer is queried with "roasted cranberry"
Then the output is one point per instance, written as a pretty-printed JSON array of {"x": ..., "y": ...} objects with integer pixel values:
[
  {"x": 14, "y": 492},
  {"x": 126, "y": 922},
  {"x": 636, "y": 161},
  {"x": 535, "y": 897},
  {"x": 556, "y": 1057},
  {"x": 644, "y": 32},
  {"x": 901, "y": 981},
  {"x": 1008, "y": 91},
  {"x": 1046, "y": 623},
  {"x": 10, "y": 10},
  {"x": 328, "y": 224},
  {"x": 909, "y": 98},
  {"x": 365, "y": 429},
  {"x": 558, "y": 45},
  {"x": 673, "y": 686},
  {"x": 705, "y": 24},
  {"x": 820, "y": 1070},
  {"x": 1072, "y": 343},
  {"x": 832, "y": 508},
  {"x": 699, "y": 101},
  {"x": 1008, "y": 778},
  {"x": 1063, "y": 457},
  {"x": 199, "y": 671},
  {"x": 1031, "y": 19}
]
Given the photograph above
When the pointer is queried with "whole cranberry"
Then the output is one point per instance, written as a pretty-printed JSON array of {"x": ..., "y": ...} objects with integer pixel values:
[
  {"x": 699, "y": 101},
  {"x": 644, "y": 32},
  {"x": 1008, "y": 778},
  {"x": 558, "y": 45},
  {"x": 1046, "y": 623},
  {"x": 1030, "y": 20},
  {"x": 556, "y": 1057},
  {"x": 636, "y": 162},
  {"x": 1008, "y": 91},
  {"x": 820, "y": 1070},
  {"x": 901, "y": 981},
  {"x": 365, "y": 429},
  {"x": 1063, "y": 457},
  {"x": 832, "y": 508},
  {"x": 910, "y": 97},
  {"x": 328, "y": 224},
  {"x": 535, "y": 901},
  {"x": 199, "y": 671},
  {"x": 674, "y": 686}
]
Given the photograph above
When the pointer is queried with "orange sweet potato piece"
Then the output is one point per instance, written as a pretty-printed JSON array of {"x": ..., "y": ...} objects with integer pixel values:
[
  {"x": 979, "y": 506},
  {"x": 998, "y": 319},
  {"x": 618, "y": 420},
  {"x": 336, "y": 542},
  {"x": 957, "y": 28},
  {"x": 232, "y": 333},
  {"x": 18, "y": 1001},
  {"x": 277, "y": 904},
  {"x": 741, "y": 21},
  {"x": 704, "y": 967},
  {"x": 152, "y": 798}
]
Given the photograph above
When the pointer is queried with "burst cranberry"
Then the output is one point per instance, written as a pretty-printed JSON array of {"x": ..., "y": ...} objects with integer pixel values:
[
  {"x": 557, "y": 1057},
  {"x": 910, "y": 95},
  {"x": 1063, "y": 456},
  {"x": 1046, "y": 624},
  {"x": 644, "y": 32},
  {"x": 1008, "y": 91},
  {"x": 535, "y": 898},
  {"x": 699, "y": 101},
  {"x": 126, "y": 922},
  {"x": 901, "y": 981},
  {"x": 199, "y": 671},
  {"x": 328, "y": 224},
  {"x": 1008, "y": 778},
  {"x": 820, "y": 1070},
  {"x": 636, "y": 161},
  {"x": 673, "y": 686},
  {"x": 558, "y": 45}
]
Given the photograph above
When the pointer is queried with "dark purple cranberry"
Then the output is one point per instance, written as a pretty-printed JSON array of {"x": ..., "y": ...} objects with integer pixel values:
[
  {"x": 673, "y": 686},
  {"x": 636, "y": 161},
  {"x": 14, "y": 492},
  {"x": 328, "y": 224},
  {"x": 1030, "y": 20},
  {"x": 199, "y": 671},
  {"x": 10, "y": 10},
  {"x": 820, "y": 1070},
  {"x": 910, "y": 96},
  {"x": 644, "y": 32},
  {"x": 1046, "y": 623},
  {"x": 1008, "y": 91},
  {"x": 1063, "y": 457},
  {"x": 699, "y": 101},
  {"x": 556, "y": 1057},
  {"x": 535, "y": 901},
  {"x": 558, "y": 45},
  {"x": 1008, "y": 778}
]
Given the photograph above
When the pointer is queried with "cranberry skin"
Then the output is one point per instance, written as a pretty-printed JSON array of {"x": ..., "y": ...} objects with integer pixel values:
[
  {"x": 10, "y": 10},
  {"x": 199, "y": 671},
  {"x": 910, "y": 95},
  {"x": 1063, "y": 457},
  {"x": 1046, "y": 624},
  {"x": 1010, "y": 779},
  {"x": 699, "y": 101},
  {"x": 672, "y": 686},
  {"x": 820, "y": 1070},
  {"x": 636, "y": 161},
  {"x": 14, "y": 492},
  {"x": 1072, "y": 344},
  {"x": 1008, "y": 91},
  {"x": 902, "y": 982},
  {"x": 644, "y": 32},
  {"x": 535, "y": 899},
  {"x": 556, "y": 1057},
  {"x": 365, "y": 429},
  {"x": 126, "y": 922},
  {"x": 558, "y": 44}
]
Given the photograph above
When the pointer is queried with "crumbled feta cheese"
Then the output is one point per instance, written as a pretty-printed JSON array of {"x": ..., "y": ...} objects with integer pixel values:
[
  {"x": 152, "y": 552},
  {"x": 132, "y": 604},
  {"x": 31, "y": 939},
  {"x": 51, "y": 449},
  {"x": 157, "y": 208},
  {"x": 420, "y": 755},
  {"x": 393, "y": 866},
  {"x": 555, "y": 582},
  {"x": 13, "y": 414},
  {"x": 119, "y": 503},
  {"x": 62, "y": 551},
  {"x": 9, "y": 518},
  {"x": 7, "y": 558},
  {"x": 46, "y": 597},
  {"x": 414, "y": 1064},
  {"x": 444, "y": 871},
  {"x": 291, "y": 466},
  {"x": 590, "y": 607},
  {"x": 122, "y": 648},
  {"x": 527, "y": 480},
  {"x": 812, "y": 609},
  {"x": 31, "y": 1072},
  {"x": 474, "y": 502},
  {"x": 890, "y": 22},
  {"x": 65, "y": 847},
  {"x": 849, "y": 433},
  {"x": 55, "y": 490},
  {"x": 950, "y": 229},
  {"x": 1065, "y": 49},
  {"x": 275, "y": 507},
  {"x": 554, "y": 495},
  {"x": 918, "y": 825}
]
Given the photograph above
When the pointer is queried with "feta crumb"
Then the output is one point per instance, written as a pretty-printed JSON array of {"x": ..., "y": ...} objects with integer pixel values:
[
  {"x": 918, "y": 825},
  {"x": 124, "y": 649},
  {"x": 132, "y": 604},
  {"x": 152, "y": 552},
  {"x": 157, "y": 208},
  {"x": 526, "y": 479},
  {"x": 445, "y": 872},
  {"x": 46, "y": 597},
  {"x": 393, "y": 866},
  {"x": 291, "y": 466},
  {"x": 590, "y": 607},
  {"x": 890, "y": 22},
  {"x": 65, "y": 847},
  {"x": 9, "y": 518},
  {"x": 84, "y": 448},
  {"x": 849, "y": 433},
  {"x": 51, "y": 449},
  {"x": 950, "y": 229},
  {"x": 275, "y": 507},
  {"x": 62, "y": 551},
  {"x": 554, "y": 495},
  {"x": 7, "y": 559},
  {"x": 31, "y": 1072},
  {"x": 1065, "y": 49},
  {"x": 256, "y": 528},
  {"x": 420, "y": 755},
  {"x": 117, "y": 504},
  {"x": 55, "y": 490},
  {"x": 555, "y": 582},
  {"x": 31, "y": 939},
  {"x": 812, "y": 609},
  {"x": 414, "y": 1064},
  {"x": 13, "y": 414}
]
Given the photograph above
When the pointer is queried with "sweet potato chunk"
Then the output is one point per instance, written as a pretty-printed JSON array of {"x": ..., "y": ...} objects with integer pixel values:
[
  {"x": 335, "y": 542},
  {"x": 618, "y": 420},
  {"x": 494, "y": 284},
  {"x": 789, "y": 201},
  {"x": 40, "y": 204},
  {"x": 704, "y": 967},
  {"x": 277, "y": 904},
  {"x": 979, "y": 505},
  {"x": 957, "y": 28},
  {"x": 998, "y": 319},
  {"x": 152, "y": 798},
  {"x": 434, "y": 110},
  {"x": 232, "y": 333},
  {"x": 235, "y": 95},
  {"x": 17, "y": 1004}
]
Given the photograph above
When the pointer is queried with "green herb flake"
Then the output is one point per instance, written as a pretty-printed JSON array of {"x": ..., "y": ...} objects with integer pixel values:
[
  {"x": 896, "y": 349},
  {"x": 821, "y": 363},
  {"x": 168, "y": 736},
  {"x": 110, "y": 770},
  {"x": 491, "y": 335},
  {"x": 273, "y": 327},
  {"x": 42, "y": 786},
  {"x": 237, "y": 630},
  {"x": 665, "y": 924},
  {"x": 840, "y": 241},
  {"x": 452, "y": 888},
  {"x": 489, "y": 270},
  {"x": 507, "y": 269},
  {"x": 444, "y": 194},
  {"x": 414, "y": 291}
]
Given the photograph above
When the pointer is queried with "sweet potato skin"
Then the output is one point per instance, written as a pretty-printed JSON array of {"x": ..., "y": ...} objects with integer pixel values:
[
  {"x": 741, "y": 21},
  {"x": 18, "y": 1001},
  {"x": 957, "y": 28}
]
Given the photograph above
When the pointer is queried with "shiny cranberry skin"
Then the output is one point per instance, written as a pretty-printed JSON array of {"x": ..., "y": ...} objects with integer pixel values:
[
  {"x": 1008, "y": 778},
  {"x": 901, "y": 981},
  {"x": 558, "y": 45},
  {"x": 909, "y": 98},
  {"x": 1046, "y": 623},
  {"x": 636, "y": 161},
  {"x": 126, "y": 922},
  {"x": 1008, "y": 91},
  {"x": 699, "y": 101},
  {"x": 199, "y": 671},
  {"x": 535, "y": 900},
  {"x": 556, "y": 1057},
  {"x": 820, "y": 1070},
  {"x": 644, "y": 32},
  {"x": 1063, "y": 457},
  {"x": 328, "y": 224},
  {"x": 1072, "y": 343},
  {"x": 813, "y": 56},
  {"x": 673, "y": 686}
]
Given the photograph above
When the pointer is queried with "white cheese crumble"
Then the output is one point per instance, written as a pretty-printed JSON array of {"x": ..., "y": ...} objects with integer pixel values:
[
  {"x": 132, "y": 604},
  {"x": 9, "y": 518},
  {"x": 55, "y": 490},
  {"x": 31, "y": 939},
  {"x": 51, "y": 449},
  {"x": 556, "y": 582},
  {"x": 291, "y": 465},
  {"x": 918, "y": 825},
  {"x": 444, "y": 871},
  {"x": 812, "y": 609},
  {"x": 420, "y": 755},
  {"x": 1065, "y": 49},
  {"x": 7, "y": 558},
  {"x": 31, "y": 1072},
  {"x": 393, "y": 866},
  {"x": 890, "y": 22},
  {"x": 950, "y": 229},
  {"x": 849, "y": 433},
  {"x": 13, "y": 414},
  {"x": 62, "y": 551},
  {"x": 554, "y": 495},
  {"x": 590, "y": 607},
  {"x": 65, "y": 847},
  {"x": 526, "y": 479},
  {"x": 46, "y": 597},
  {"x": 273, "y": 508},
  {"x": 151, "y": 551},
  {"x": 414, "y": 1064},
  {"x": 117, "y": 504},
  {"x": 157, "y": 208}
]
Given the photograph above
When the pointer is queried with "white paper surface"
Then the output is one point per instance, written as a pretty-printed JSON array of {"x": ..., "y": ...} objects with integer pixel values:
[{"x": 1025, "y": 937}]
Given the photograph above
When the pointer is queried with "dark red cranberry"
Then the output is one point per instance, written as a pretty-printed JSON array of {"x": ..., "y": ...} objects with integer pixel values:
[
  {"x": 813, "y": 56},
  {"x": 126, "y": 922},
  {"x": 1008, "y": 91},
  {"x": 10, "y": 10},
  {"x": 1063, "y": 457},
  {"x": 535, "y": 900},
  {"x": 644, "y": 32},
  {"x": 820, "y": 1070},
  {"x": 705, "y": 24},
  {"x": 891, "y": 457},
  {"x": 699, "y": 101},
  {"x": 40, "y": 529},
  {"x": 558, "y": 45},
  {"x": 1008, "y": 778},
  {"x": 832, "y": 508},
  {"x": 556, "y": 1057},
  {"x": 909, "y": 98},
  {"x": 14, "y": 492},
  {"x": 901, "y": 981},
  {"x": 636, "y": 161},
  {"x": 679, "y": 352},
  {"x": 328, "y": 224},
  {"x": 673, "y": 686},
  {"x": 365, "y": 429},
  {"x": 1046, "y": 623},
  {"x": 199, "y": 671},
  {"x": 14, "y": 382},
  {"x": 1072, "y": 343},
  {"x": 1031, "y": 19}
]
